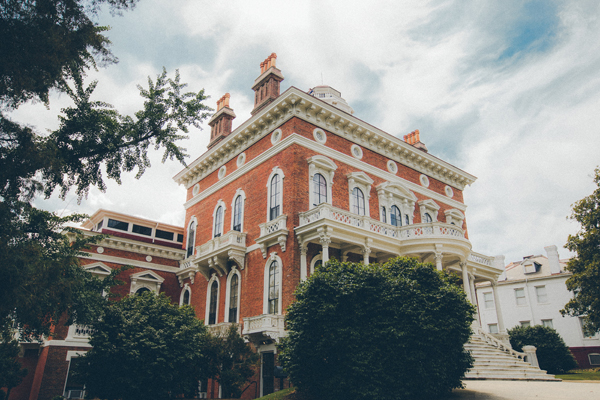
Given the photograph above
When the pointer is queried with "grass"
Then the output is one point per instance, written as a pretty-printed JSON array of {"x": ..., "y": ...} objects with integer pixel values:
[
  {"x": 581, "y": 375},
  {"x": 278, "y": 395}
]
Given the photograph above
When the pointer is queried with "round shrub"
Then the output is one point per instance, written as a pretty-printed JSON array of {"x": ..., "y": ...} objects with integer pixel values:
[
  {"x": 552, "y": 353},
  {"x": 378, "y": 331}
]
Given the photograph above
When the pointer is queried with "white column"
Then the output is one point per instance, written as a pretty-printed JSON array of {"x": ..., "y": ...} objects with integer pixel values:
[
  {"x": 438, "y": 260},
  {"x": 465, "y": 276},
  {"x": 325, "y": 243},
  {"x": 498, "y": 310},
  {"x": 366, "y": 251},
  {"x": 303, "y": 265}
]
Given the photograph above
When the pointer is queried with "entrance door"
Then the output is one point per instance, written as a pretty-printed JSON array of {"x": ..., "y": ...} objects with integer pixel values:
[{"x": 268, "y": 368}]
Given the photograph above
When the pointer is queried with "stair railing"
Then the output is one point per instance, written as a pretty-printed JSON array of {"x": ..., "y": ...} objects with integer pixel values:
[{"x": 491, "y": 340}]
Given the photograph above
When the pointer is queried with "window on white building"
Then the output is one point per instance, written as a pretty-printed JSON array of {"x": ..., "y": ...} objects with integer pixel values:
[
  {"x": 548, "y": 323},
  {"x": 493, "y": 328},
  {"x": 594, "y": 358},
  {"x": 586, "y": 335},
  {"x": 525, "y": 324},
  {"x": 520, "y": 296},
  {"x": 488, "y": 299},
  {"x": 540, "y": 292}
]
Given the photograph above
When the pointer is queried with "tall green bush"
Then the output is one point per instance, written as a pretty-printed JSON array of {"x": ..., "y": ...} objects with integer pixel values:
[
  {"x": 384, "y": 331},
  {"x": 552, "y": 353}
]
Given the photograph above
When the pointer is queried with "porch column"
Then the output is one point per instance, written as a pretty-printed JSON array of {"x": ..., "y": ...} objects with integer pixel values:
[
  {"x": 325, "y": 240},
  {"x": 501, "y": 328},
  {"x": 438, "y": 260},
  {"x": 465, "y": 277},
  {"x": 472, "y": 287},
  {"x": 303, "y": 265},
  {"x": 366, "y": 251}
]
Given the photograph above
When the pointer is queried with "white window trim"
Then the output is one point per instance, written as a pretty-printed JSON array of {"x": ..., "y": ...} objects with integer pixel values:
[
  {"x": 187, "y": 237},
  {"x": 320, "y": 165},
  {"x": 220, "y": 203},
  {"x": 276, "y": 171},
  {"x": 207, "y": 311},
  {"x": 270, "y": 259},
  {"x": 517, "y": 298},
  {"x": 537, "y": 296},
  {"x": 140, "y": 280},
  {"x": 313, "y": 262},
  {"x": 70, "y": 355},
  {"x": 233, "y": 272},
  {"x": 186, "y": 288},
  {"x": 431, "y": 207},
  {"x": 592, "y": 354},
  {"x": 363, "y": 182},
  {"x": 490, "y": 327},
  {"x": 238, "y": 192},
  {"x": 394, "y": 194},
  {"x": 455, "y": 216},
  {"x": 485, "y": 302}
]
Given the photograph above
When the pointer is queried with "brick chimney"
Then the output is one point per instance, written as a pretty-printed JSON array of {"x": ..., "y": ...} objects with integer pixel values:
[
  {"x": 266, "y": 86},
  {"x": 220, "y": 123},
  {"x": 414, "y": 140}
]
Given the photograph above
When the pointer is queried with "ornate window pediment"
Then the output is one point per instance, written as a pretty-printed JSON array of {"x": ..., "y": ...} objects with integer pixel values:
[
  {"x": 428, "y": 208},
  {"x": 146, "y": 279},
  {"x": 359, "y": 180},
  {"x": 99, "y": 269},
  {"x": 326, "y": 168},
  {"x": 454, "y": 217},
  {"x": 395, "y": 194}
]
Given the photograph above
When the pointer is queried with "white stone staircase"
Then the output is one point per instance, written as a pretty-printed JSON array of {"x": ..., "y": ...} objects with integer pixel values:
[{"x": 496, "y": 361}]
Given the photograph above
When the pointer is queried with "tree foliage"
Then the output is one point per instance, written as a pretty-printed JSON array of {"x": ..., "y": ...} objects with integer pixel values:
[
  {"x": 146, "y": 348},
  {"x": 385, "y": 331},
  {"x": 585, "y": 266},
  {"x": 234, "y": 362},
  {"x": 552, "y": 353},
  {"x": 11, "y": 372},
  {"x": 51, "y": 45}
]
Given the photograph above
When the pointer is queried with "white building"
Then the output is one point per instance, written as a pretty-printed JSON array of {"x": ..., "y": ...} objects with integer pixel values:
[{"x": 532, "y": 292}]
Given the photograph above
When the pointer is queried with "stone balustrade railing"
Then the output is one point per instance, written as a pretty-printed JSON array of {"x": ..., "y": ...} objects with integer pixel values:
[
  {"x": 327, "y": 211},
  {"x": 264, "y": 323},
  {"x": 221, "y": 329},
  {"x": 481, "y": 259},
  {"x": 230, "y": 238},
  {"x": 489, "y": 339},
  {"x": 275, "y": 225}
]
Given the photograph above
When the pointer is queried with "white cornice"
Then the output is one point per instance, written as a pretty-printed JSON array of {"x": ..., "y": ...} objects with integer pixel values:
[
  {"x": 328, "y": 152},
  {"x": 128, "y": 261},
  {"x": 296, "y": 103},
  {"x": 149, "y": 249}
]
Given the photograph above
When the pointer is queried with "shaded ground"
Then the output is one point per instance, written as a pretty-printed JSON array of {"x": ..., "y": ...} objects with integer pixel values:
[{"x": 516, "y": 390}]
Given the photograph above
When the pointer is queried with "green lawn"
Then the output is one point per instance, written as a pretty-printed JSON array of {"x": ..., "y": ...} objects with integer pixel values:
[
  {"x": 277, "y": 395},
  {"x": 581, "y": 375}
]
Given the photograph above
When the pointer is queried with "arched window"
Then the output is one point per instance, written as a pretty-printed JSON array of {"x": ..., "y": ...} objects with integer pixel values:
[
  {"x": 142, "y": 290},
  {"x": 219, "y": 222},
  {"x": 212, "y": 310},
  {"x": 319, "y": 189},
  {"x": 383, "y": 215},
  {"x": 406, "y": 219},
  {"x": 395, "y": 217},
  {"x": 237, "y": 214},
  {"x": 233, "y": 298},
  {"x": 273, "y": 288},
  {"x": 191, "y": 239},
  {"x": 427, "y": 218},
  {"x": 186, "y": 297},
  {"x": 275, "y": 201},
  {"x": 358, "y": 204}
]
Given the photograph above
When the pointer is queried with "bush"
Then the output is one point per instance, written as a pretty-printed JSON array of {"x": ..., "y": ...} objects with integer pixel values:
[
  {"x": 552, "y": 353},
  {"x": 390, "y": 331}
]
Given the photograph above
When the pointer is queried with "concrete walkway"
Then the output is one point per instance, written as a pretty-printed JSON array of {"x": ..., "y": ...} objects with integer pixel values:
[{"x": 519, "y": 390}]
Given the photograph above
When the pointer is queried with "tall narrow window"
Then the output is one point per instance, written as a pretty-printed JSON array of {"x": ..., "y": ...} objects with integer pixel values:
[
  {"x": 540, "y": 292},
  {"x": 488, "y": 299},
  {"x": 275, "y": 204},
  {"x": 186, "y": 297},
  {"x": 237, "y": 214},
  {"x": 406, "y": 220},
  {"x": 191, "y": 239},
  {"x": 212, "y": 311},
  {"x": 383, "y": 215},
  {"x": 395, "y": 217},
  {"x": 219, "y": 222},
  {"x": 319, "y": 189},
  {"x": 233, "y": 298},
  {"x": 358, "y": 201},
  {"x": 427, "y": 218},
  {"x": 520, "y": 296},
  {"x": 273, "y": 288}
]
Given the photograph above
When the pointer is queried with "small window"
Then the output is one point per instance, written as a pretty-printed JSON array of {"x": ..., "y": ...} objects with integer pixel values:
[
  {"x": 395, "y": 216},
  {"x": 99, "y": 226},
  {"x": 212, "y": 311},
  {"x": 427, "y": 218},
  {"x": 275, "y": 201},
  {"x": 358, "y": 201},
  {"x": 520, "y": 296},
  {"x": 219, "y": 222},
  {"x": 488, "y": 298},
  {"x": 273, "y": 288},
  {"x": 525, "y": 324},
  {"x": 186, "y": 298},
  {"x": 120, "y": 225},
  {"x": 233, "y": 298},
  {"x": 237, "y": 214},
  {"x": 319, "y": 189},
  {"x": 74, "y": 387},
  {"x": 540, "y": 292},
  {"x": 493, "y": 328},
  {"x": 406, "y": 220},
  {"x": 548, "y": 323},
  {"x": 383, "y": 215},
  {"x": 165, "y": 235},
  {"x": 594, "y": 358},
  {"x": 141, "y": 230},
  {"x": 180, "y": 237},
  {"x": 586, "y": 335},
  {"x": 191, "y": 239}
]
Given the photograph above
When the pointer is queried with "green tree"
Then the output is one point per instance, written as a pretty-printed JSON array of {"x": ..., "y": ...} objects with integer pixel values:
[
  {"x": 552, "y": 353},
  {"x": 585, "y": 266},
  {"x": 234, "y": 362},
  {"x": 51, "y": 45},
  {"x": 11, "y": 372},
  {"x": 146, "y": 348},
  {"x": 384, "y": 331}
]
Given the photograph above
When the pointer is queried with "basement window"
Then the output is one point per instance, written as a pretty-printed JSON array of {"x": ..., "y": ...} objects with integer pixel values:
[{"x": 594, "y": 358}]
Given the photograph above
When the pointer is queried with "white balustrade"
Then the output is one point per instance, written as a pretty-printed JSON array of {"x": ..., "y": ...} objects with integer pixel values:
[
  {"x": 481, "y": 259},
  {"x": 275, "y": 225}
]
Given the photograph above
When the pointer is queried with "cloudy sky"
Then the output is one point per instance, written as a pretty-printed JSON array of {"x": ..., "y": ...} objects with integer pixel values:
[{"x": 508, "y": 91}]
